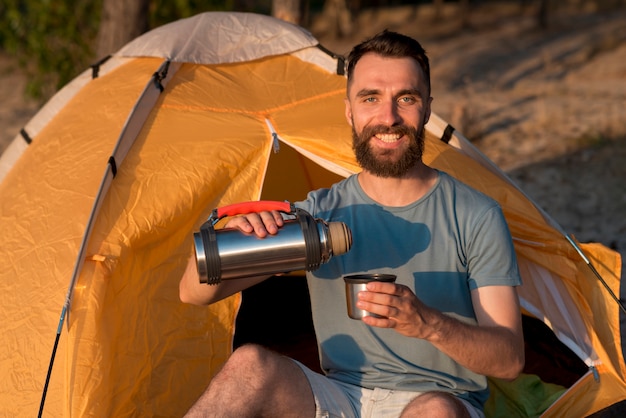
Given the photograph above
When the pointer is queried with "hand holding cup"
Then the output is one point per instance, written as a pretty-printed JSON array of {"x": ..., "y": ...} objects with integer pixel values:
[{"x": 356, "y": 283}]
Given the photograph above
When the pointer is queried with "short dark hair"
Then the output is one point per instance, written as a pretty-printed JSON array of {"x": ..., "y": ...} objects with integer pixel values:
[{"x": 391, "y": 45}]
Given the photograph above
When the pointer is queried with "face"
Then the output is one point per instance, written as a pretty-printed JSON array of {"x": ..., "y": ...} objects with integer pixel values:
[{"x": 387, "y": 106}]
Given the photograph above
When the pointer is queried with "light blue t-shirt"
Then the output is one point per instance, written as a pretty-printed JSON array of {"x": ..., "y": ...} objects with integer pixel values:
[{"x": 452, "y": 240}]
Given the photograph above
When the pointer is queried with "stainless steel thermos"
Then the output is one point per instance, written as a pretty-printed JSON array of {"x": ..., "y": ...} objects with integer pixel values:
[{"x": 302, "y": 243}]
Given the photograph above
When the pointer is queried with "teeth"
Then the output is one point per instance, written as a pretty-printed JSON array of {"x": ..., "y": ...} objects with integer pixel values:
[{"x": 388, "y": 137}]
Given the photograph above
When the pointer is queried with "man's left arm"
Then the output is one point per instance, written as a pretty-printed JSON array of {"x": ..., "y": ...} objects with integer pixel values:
[{"x": 492, "y": 347}]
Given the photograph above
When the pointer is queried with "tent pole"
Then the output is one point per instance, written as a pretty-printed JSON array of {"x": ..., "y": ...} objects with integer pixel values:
[
  {"x": 596, "y": 273},
  {"x": 134, "y": 123},
  {"x": 461, "y": 143},
  {"x": 54, "y": 350},
  {"x": 106, "y": 182}
]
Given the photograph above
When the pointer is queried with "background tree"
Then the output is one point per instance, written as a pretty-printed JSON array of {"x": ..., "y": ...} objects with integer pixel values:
[
  {"x": 55, "y": 40},
  {"x": 52, "y": 39},
  {"x": 336, "y": 18},
  {"x": 120, "y": 22},
  {"x": 287, "y": 10}
]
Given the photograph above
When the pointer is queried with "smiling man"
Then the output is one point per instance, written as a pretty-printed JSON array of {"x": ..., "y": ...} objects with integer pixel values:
[
  {"x": 391, "y": 116},
  {"x": 451, "y": 318}
]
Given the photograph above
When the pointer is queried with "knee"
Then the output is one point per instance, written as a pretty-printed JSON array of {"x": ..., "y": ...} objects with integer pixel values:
[
  {"x": 250, "y": 358},
  {"x": 436, "y": 404}
]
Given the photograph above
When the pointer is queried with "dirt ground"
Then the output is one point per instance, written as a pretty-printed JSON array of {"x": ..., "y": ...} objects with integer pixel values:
[{"x": 547, "y": 105}]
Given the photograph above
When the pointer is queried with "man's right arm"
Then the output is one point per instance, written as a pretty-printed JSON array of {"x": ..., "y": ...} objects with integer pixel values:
[{"x": 191, "y": 290}]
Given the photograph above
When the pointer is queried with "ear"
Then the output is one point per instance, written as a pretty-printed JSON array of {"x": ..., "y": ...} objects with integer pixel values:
[
  {"x": 348, "y": 111},
  {"x": 428, "y": 110}
]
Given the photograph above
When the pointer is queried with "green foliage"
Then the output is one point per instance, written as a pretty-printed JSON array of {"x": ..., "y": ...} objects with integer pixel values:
[
  {"x": 55, "y": 40},
  {"x": 51, "y": 38},
  {"x": 165, "y": 11}
]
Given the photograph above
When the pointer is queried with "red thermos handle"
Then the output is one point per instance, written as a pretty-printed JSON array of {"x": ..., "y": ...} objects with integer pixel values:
[{"x": 252, "y": 207}]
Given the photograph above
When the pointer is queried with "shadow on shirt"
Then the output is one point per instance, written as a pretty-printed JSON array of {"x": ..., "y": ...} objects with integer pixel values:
[
  {"x": 379, "y": 240},
  {"x": 352, "y": 357}
]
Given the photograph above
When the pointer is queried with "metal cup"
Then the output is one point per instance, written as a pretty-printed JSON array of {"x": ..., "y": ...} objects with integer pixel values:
[{"x": 358, "y": 282}]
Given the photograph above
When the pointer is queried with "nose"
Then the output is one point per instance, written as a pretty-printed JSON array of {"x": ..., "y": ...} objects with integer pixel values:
[{"x": 388, "y": 113}]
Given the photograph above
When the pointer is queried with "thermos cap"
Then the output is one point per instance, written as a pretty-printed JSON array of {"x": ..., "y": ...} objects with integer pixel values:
[{"x": 340, "y": 237}]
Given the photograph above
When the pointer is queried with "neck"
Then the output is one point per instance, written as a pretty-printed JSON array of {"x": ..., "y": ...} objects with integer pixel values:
[{"x": 399, "y": 191}]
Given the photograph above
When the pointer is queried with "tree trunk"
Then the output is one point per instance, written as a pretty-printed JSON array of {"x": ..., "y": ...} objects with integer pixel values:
[
  {"x": 287, "y": 10},
  {"x": 335, "y": 19},
  {"x": 121, "y": 22},
  {"x": 542, "y": 14},
  {"x": 438, "y": 6},
  {"x": 464, "y": 6}
]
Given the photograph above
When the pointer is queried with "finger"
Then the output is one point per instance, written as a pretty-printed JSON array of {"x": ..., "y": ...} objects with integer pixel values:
[
  {"x": 271, "y": 221},
  {"x": 380, "y": 298},
  {"x": 262, "y": 223},
  {"x": 382, "y": 322},
  {"x": 278, "y": 218},
  {"x": 240, "y": 223},
  {"x": 249, "y": 223},
  {"x": 381, "y": 309},
  {"x": 383, "y": 287}
]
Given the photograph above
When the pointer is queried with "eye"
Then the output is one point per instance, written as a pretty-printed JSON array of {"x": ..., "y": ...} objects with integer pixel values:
[
  {"x": 369, "y": 99},
  {"x": 407, "y": 99}
]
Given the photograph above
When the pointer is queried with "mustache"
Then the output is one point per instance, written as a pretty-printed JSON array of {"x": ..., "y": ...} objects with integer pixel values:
[{"x": 370, "y": 131}]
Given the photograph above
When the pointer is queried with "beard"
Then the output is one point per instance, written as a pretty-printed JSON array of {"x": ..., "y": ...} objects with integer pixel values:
[{"x": 384, "y": 164}]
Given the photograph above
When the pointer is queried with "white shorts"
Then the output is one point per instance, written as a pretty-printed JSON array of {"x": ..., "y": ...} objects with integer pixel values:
[{"x": 338, "y": 399}]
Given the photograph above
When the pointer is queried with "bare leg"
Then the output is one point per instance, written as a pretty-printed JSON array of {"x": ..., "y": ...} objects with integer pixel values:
[
  {"x": 256, "y": 382},
  {"x": 436, "y": 405}
]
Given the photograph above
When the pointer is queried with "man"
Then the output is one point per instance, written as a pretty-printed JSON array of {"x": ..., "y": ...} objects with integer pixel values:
[{"x": 451, "y": 318}]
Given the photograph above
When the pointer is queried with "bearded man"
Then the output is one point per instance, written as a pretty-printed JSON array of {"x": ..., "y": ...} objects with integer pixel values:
[{"x": 451, "y": 318}]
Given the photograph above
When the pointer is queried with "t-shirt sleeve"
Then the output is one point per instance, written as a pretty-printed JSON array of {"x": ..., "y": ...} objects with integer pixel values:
[{"x": 491, "y": 258}]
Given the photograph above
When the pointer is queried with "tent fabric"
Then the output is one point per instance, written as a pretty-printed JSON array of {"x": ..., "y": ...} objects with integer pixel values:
[
  {"x": 252, "y": 109},
  {"x": 526, "y": 396},
  {"x": 220, "y": 38}
]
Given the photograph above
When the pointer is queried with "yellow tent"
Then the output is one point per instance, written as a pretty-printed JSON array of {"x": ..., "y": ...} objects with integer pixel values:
[{"x": 101, "y": 192}]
